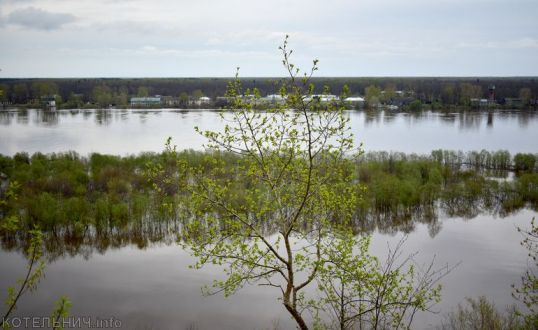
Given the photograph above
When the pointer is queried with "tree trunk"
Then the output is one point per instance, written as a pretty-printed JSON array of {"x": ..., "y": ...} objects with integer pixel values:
[{"x": 297, "y": 317}]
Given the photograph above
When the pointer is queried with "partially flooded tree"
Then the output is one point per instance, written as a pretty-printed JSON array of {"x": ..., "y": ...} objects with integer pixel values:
[
  {"x": 482, "y": 314},
  {"x": 281, "y": 216}
]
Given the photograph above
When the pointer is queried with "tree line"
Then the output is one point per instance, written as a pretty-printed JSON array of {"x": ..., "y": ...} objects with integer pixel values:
[
  {"x": 74, "y": 195},
  {"x": 101, "y": 92}
]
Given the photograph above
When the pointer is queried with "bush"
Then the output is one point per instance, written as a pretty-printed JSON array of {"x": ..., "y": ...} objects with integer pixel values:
[
  {"x": 524, "y": 162},
  {"x": 481, "y": 315},
  {"x": 415, "y": 105}
]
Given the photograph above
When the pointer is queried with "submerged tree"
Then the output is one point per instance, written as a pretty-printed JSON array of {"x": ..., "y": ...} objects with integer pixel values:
[
  {"x": 280, "y": 217},
  {"x": 482, "y": 314}
]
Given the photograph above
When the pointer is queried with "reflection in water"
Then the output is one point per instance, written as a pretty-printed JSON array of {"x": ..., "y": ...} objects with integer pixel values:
[
  {"x": 389, "y": 117},
  {"x": 150, "y": 228},
  {"x": 123, "y": 281},
  {"x": 524, "y": 118},
  {"x": 81, "y": 130},
  {"x": 128, "y": 271},
  {"x": 6, "y": 118},
  {"x": 490, "y": 119},
  {"x": 372, "y": 116},
  {"x": 23, "y": 117},
  {"x": 448, "y": 118},
  {"x": 74, "y": 113},
  {"x": 470, "y": 121},
  {"x": 46, "y": 118},
  {"x": 87, "y": 115},
  {"x": 103, "y": 117},
  {"x": 405, "y": 220},
  {"x": 143, "y": 116},
  {"x": 124, "y": 115},
  {"x": 85, "y": 241}
]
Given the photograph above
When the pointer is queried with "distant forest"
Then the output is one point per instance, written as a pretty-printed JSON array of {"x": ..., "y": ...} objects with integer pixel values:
[{"x": 444, "y": 91}]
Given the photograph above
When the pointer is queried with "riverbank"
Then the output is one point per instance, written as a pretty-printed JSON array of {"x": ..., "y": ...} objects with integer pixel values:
[{"x": 436, "y": 107}]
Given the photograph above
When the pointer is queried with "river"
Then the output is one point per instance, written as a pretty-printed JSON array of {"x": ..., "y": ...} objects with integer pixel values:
[
  {"x": 152, "y": 287},
  {"x": 132, "y": 131}
]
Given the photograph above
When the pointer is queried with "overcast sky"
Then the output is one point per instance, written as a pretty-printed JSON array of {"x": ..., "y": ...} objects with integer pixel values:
[{"x": 179, "y": 38}]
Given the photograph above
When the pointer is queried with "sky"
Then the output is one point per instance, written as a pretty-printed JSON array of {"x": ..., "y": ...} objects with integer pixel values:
[{"x": 210, "y": 38}]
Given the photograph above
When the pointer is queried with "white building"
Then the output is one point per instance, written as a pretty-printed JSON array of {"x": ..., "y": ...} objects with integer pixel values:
[
  {"x": 273, "y": 98},
  {"x": 323, "y": 98},
  {"x": 49, "y": 101},
  {"x": 145, "y": 101},
  {"x": 202, "y": 100},
  {"x": 354, "y": 99}
]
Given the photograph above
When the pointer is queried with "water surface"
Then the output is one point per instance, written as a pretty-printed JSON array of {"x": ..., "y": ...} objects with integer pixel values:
[
  {"x": 132, "y": 131},
  {"x": 152, "y": 288}
]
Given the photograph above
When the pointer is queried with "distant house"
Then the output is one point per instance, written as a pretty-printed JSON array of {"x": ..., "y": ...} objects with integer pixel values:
[
  {"x": 273, "y": 98},
  {"x": 202, "y": 101},
  {"x": 138, "y": 102},
  {"x": 355, "y": 101},
  {"x": 323, "y": 98},
  {"x": 400, "y": 102},
  {"x": 513, "y": 102},
  {"x": 222, "y": 101},
  {"x": 170, "y": 101},
  {"x": 249, "y": 98},
  {"x": 481, "y": 103},
  {"x": 48, "y": 101}
]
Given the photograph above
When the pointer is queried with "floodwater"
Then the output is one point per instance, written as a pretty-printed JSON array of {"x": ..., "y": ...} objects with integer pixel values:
[
  {"x": 132, "y": 131},
  {"x": 153, "y": 288}
]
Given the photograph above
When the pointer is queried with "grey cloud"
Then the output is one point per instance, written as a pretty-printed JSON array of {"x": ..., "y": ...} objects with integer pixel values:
[
  {"x": 16, "y": 2},
  {"x": 39, "y": 19}
]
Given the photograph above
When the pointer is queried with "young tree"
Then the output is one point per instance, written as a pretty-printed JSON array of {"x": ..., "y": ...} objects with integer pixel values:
[
  {"x": 143, "y": 91},
  {"x": 527, "y": 292},
  {"x": 102, "y": 95},
  {"x": 196, "y": 94},
  {"x": 372, "y": 95},
  {"x": 360, "y": 292},
  {"x": 4, "y": 89},
  {"x": 20, "y": 93},
  {"x": 44, "y": 88},
  {"x": 293, "y": 163},
  {"x": 35, "y": 268},
  {"x": 281, "y": 216},
  {"x": 183, "y": 99},
  {"x": 525, "y": 95},
  {"x": 469, "y": 91}
]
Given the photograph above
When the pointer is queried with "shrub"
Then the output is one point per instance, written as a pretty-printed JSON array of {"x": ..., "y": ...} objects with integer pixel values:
[
  {"x": 481, "y": 314},
  {"x": 524, "y": 162}
]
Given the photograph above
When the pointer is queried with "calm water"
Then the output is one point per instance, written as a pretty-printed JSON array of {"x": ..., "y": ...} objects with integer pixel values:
[
  {"x": 152, "y": 288},
  {"x": 131, "y": 131}
]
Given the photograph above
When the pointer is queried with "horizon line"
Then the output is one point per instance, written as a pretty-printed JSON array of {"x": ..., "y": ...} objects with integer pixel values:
[{"x": 278, "y": 77}]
